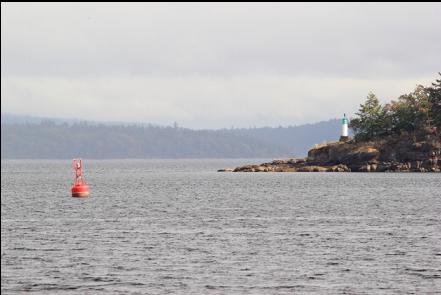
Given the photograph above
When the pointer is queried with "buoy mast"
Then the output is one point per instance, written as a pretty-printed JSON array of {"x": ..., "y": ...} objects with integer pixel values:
[{"x": 79, "y": 188}]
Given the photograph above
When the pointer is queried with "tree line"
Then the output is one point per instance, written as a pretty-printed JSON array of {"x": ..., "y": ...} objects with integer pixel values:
[
  {"x": 414, "y": 114},
  {"x": 50, "y": 139}
]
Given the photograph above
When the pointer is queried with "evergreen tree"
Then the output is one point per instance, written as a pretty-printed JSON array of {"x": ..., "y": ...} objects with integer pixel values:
[{"x": 372, "y": 119}]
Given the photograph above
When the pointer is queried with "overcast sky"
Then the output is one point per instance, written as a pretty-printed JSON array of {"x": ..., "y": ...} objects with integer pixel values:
[{"x": 213, "y": 65}]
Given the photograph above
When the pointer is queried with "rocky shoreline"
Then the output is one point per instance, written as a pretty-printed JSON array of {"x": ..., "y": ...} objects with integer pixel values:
[{"x": 401, "y": 154}]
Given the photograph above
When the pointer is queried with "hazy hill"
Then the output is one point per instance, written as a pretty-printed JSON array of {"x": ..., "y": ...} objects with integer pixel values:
[
  {"x": 297, "y": 138},
  {"x": 39, "y": 138}
]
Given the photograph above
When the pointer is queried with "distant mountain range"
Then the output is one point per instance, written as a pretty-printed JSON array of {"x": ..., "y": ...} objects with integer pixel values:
[{"x": 26, "y": 137}]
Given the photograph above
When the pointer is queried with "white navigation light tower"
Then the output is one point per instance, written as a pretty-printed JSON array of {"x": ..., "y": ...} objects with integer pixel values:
[
  {"x": 344, "y": 126},
  {"x": 344, "y": 129}
]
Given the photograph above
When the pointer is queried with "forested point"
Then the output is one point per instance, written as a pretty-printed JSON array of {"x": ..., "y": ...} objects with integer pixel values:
[{"x": 401, "y": 136}]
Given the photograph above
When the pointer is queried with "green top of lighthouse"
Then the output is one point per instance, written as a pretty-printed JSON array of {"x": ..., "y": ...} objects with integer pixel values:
[{"x": 344, "y": 120}]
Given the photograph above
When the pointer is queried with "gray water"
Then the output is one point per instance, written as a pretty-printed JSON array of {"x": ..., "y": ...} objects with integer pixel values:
[{"x": 175, "y": 226}]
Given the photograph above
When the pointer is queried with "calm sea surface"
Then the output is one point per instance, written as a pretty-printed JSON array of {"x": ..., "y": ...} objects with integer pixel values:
[{"x": 180, "y": 227}]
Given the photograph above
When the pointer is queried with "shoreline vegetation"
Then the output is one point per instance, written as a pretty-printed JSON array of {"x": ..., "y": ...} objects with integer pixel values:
[{"x": 401, "y": 136}]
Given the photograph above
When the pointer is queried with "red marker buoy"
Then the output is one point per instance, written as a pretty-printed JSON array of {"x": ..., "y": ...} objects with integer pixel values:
[{"x": 79, "y": 189}]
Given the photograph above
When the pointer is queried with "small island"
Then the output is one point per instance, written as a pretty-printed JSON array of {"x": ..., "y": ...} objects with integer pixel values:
[{"x": 401, "y": 136}]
